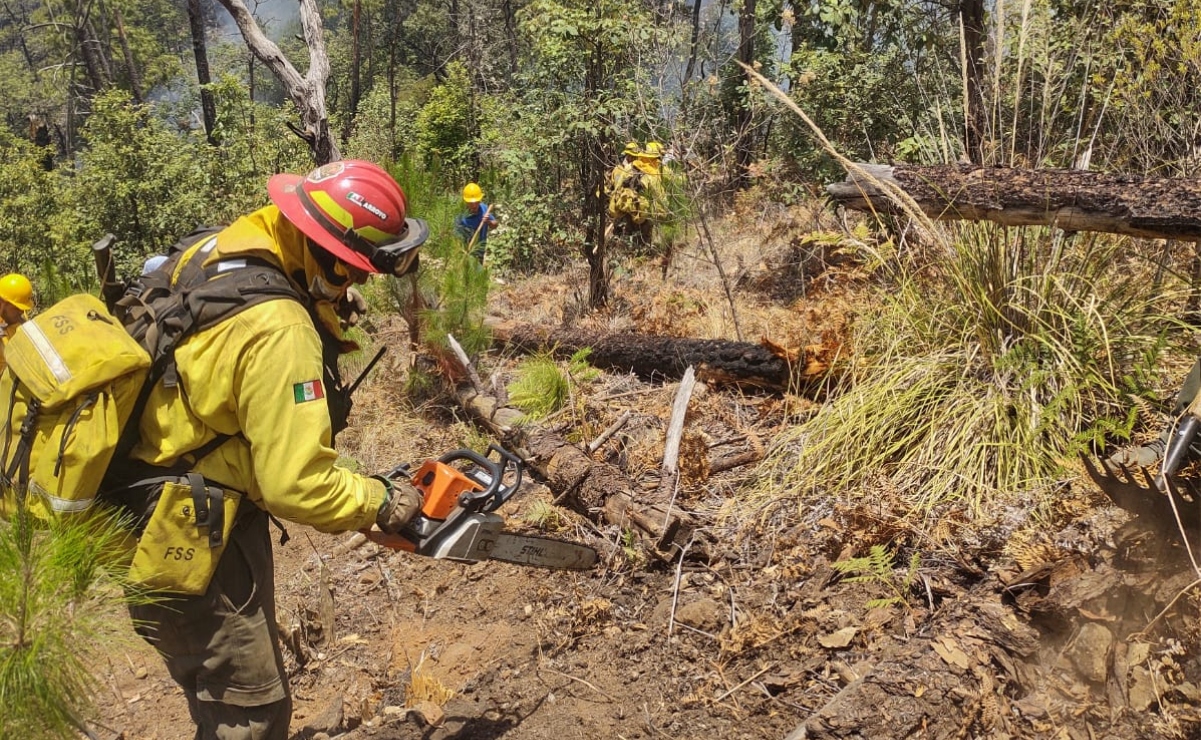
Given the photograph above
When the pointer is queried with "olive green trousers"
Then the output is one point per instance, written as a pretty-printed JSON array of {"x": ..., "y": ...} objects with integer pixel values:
[{"x": 222, "y": 647}]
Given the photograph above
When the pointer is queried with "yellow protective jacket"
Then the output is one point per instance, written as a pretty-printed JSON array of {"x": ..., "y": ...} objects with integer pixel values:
[
  {"x": 9, "y": 330},
  {"x": 258, "y": 376}
]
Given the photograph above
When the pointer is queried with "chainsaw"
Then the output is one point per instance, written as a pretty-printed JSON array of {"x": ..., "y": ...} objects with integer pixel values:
[{"x": 462, "y": 489}]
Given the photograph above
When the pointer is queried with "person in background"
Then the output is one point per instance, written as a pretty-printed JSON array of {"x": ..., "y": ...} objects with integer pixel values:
[
  {"x": 473, "y": 226},
  {"x": 16, "y": 300},
  {"x": 651, "y": 200},
  {"x": 624, "y": 187}
]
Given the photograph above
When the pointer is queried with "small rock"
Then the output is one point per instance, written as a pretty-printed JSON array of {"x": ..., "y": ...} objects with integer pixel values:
[
  {"x": 431, "y": 713},
  {"x": 1089, "y": 652},
  {"x": 1141, "y": 689},
  {"x": 329, "y": 721},
  {"x": 141, "y": 672},
  {"x": 704, "y": 614},
  {"x": 392, "y": 711}
]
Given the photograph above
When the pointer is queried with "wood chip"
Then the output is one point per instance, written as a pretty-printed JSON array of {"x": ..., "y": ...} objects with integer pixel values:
[
  {"x": 839, "y": 639},
  {"x": 949, "y": 651}
]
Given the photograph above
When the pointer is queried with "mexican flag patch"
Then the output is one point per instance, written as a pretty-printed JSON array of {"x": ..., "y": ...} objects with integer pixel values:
[{"x": 309, "y": 391}]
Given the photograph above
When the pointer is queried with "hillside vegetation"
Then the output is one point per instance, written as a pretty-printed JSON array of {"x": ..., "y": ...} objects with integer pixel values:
[{"x": 923, "y": 477}]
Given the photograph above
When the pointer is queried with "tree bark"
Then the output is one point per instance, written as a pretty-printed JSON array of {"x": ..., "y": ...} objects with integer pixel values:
[
  {"x": 356, "y": 64},
  {"x": 1072, "y": 200},
  {"x": 743, "y": 142},
  {"x": 306, "y": 91},
  {"x": 971, "y": 14},
  {"x": 208, "y": 106},
  {"x": 135, "y": 77},
  {"x": 656, "y": 357},
  {"x": 592, "y": 169}
]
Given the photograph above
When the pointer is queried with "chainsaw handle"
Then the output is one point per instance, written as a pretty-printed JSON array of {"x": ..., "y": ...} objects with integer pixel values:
[
  {"x": 495, "y": 491},
  {"x": 426, "y": 528}
]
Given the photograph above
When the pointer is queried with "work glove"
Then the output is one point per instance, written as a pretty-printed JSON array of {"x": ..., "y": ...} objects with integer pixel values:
[
  {"x": 403, "y": 503},
  {"x": 351, "y": 308}
]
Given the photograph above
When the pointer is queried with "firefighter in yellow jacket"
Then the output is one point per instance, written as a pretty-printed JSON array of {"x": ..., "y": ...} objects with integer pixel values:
[
  {"x": 16, "y": 299},
  {"x": 257, "y": 379}
]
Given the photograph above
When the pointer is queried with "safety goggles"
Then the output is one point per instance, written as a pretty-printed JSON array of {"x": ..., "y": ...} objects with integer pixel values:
[{"x": 398, "y": 257}]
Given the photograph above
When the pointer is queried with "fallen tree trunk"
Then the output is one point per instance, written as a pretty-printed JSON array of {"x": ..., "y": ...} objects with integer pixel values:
[
  {"x": 1073, "y": 200},
  {"x": 717, "y": 361},
  {"x": 594, "y": 489}
]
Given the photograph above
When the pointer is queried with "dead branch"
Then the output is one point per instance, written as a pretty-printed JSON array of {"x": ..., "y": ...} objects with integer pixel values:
[{"x": 612, "y": 429}]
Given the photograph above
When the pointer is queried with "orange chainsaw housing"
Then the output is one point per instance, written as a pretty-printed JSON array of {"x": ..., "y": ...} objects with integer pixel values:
[{"x": 440, "y": 485}]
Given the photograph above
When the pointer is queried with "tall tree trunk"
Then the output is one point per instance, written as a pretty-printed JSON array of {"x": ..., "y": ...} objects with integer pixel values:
[
  {"x": 592, "y": 166},
  {"x": 208, "y": 106},
  {"x": 511, "y": 36},
  {"x": 743, "y": 119},
  {"x": 356, "y": 62},
  {"x": 971, "y": 14},
  {"x": 250, "y": 86},
  {"x": 89, "y": 50},
  {"x": 696, "y": 34},
  {"x": 131, "y": 68},
  {"x": 306, "y": 91}
]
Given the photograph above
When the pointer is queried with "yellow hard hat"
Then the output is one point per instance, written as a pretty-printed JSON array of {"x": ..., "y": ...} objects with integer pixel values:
[
  {"x": 472, "y": 193},
  {"x": 654, "y": 149},
  {"x": 631, "y": 149},
  {"x": 17, "y": 290}
]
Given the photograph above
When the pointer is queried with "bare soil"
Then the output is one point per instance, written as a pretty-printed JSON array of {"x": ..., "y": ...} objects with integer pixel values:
[{"x": 753, "y": 634}]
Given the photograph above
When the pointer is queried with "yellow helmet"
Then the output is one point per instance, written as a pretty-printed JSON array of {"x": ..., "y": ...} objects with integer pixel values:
[
  {"x": 631, "y": 149},
  {"x": 17, "y": 290},
  {"x": 654, "y": 149},
  {"x": 472, "y": 193}
]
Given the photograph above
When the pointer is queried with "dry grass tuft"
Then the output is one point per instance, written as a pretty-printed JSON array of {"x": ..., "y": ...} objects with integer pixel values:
[{"x": 425, "y": 687}]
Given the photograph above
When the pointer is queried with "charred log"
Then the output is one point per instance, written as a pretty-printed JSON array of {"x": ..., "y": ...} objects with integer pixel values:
[
  {"x": 1073, "y": 200},
  {"x": 717, "y": 361}
]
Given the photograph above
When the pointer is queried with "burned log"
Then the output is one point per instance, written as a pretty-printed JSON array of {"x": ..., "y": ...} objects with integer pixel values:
[
  {"x": 1072, "y": 200},
  {"x": 718, "y": 361}
]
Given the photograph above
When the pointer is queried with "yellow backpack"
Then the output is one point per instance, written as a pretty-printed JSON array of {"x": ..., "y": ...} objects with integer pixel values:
[
  {"x": 78, "y": 373},
  {"x": 73, "y": 378}
]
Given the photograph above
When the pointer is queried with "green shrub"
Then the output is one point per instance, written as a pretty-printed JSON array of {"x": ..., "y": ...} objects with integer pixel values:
[
  {"x": 983, "y": 368},
  {"x": 62, "y": 609}
]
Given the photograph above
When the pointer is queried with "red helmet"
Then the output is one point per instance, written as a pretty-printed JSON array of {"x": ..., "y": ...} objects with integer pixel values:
[{"x": 354, "y": 210}]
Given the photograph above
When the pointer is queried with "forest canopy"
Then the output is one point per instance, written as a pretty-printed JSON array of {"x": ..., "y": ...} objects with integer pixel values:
[{"x": 146, "y": 119}]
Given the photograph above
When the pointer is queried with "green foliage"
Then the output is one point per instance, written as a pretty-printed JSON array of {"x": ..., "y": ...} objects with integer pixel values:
[
  {"x": 62, "y": 604},
  {"x": 32, "y": 220},
  {"x": 540, "y": 387},
  {"x": 377, "y": 134},
  {"x": 453, "y": 286},
  {"x": 979, "y": 373},
  {"x": 1151, "y": 84},
  {"x": 879, "y": 567},
  {"x": 446, "y": 124},
  {"x": 866, "y": 103},
  {"x": 545, "y": 516},
  {"x": 139, "y": 180},
  {"x": 578, "y": 367}
]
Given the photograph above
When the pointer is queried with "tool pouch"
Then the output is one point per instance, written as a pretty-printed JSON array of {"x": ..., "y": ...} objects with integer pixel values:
[{"x": 185, "y": 536}]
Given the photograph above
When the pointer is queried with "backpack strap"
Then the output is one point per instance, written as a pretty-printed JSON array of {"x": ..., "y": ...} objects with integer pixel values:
[
  {"x": 209, "y": 504},
  {"x": 8, "y": 423},
  {"x": 18, "y": 470}
]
